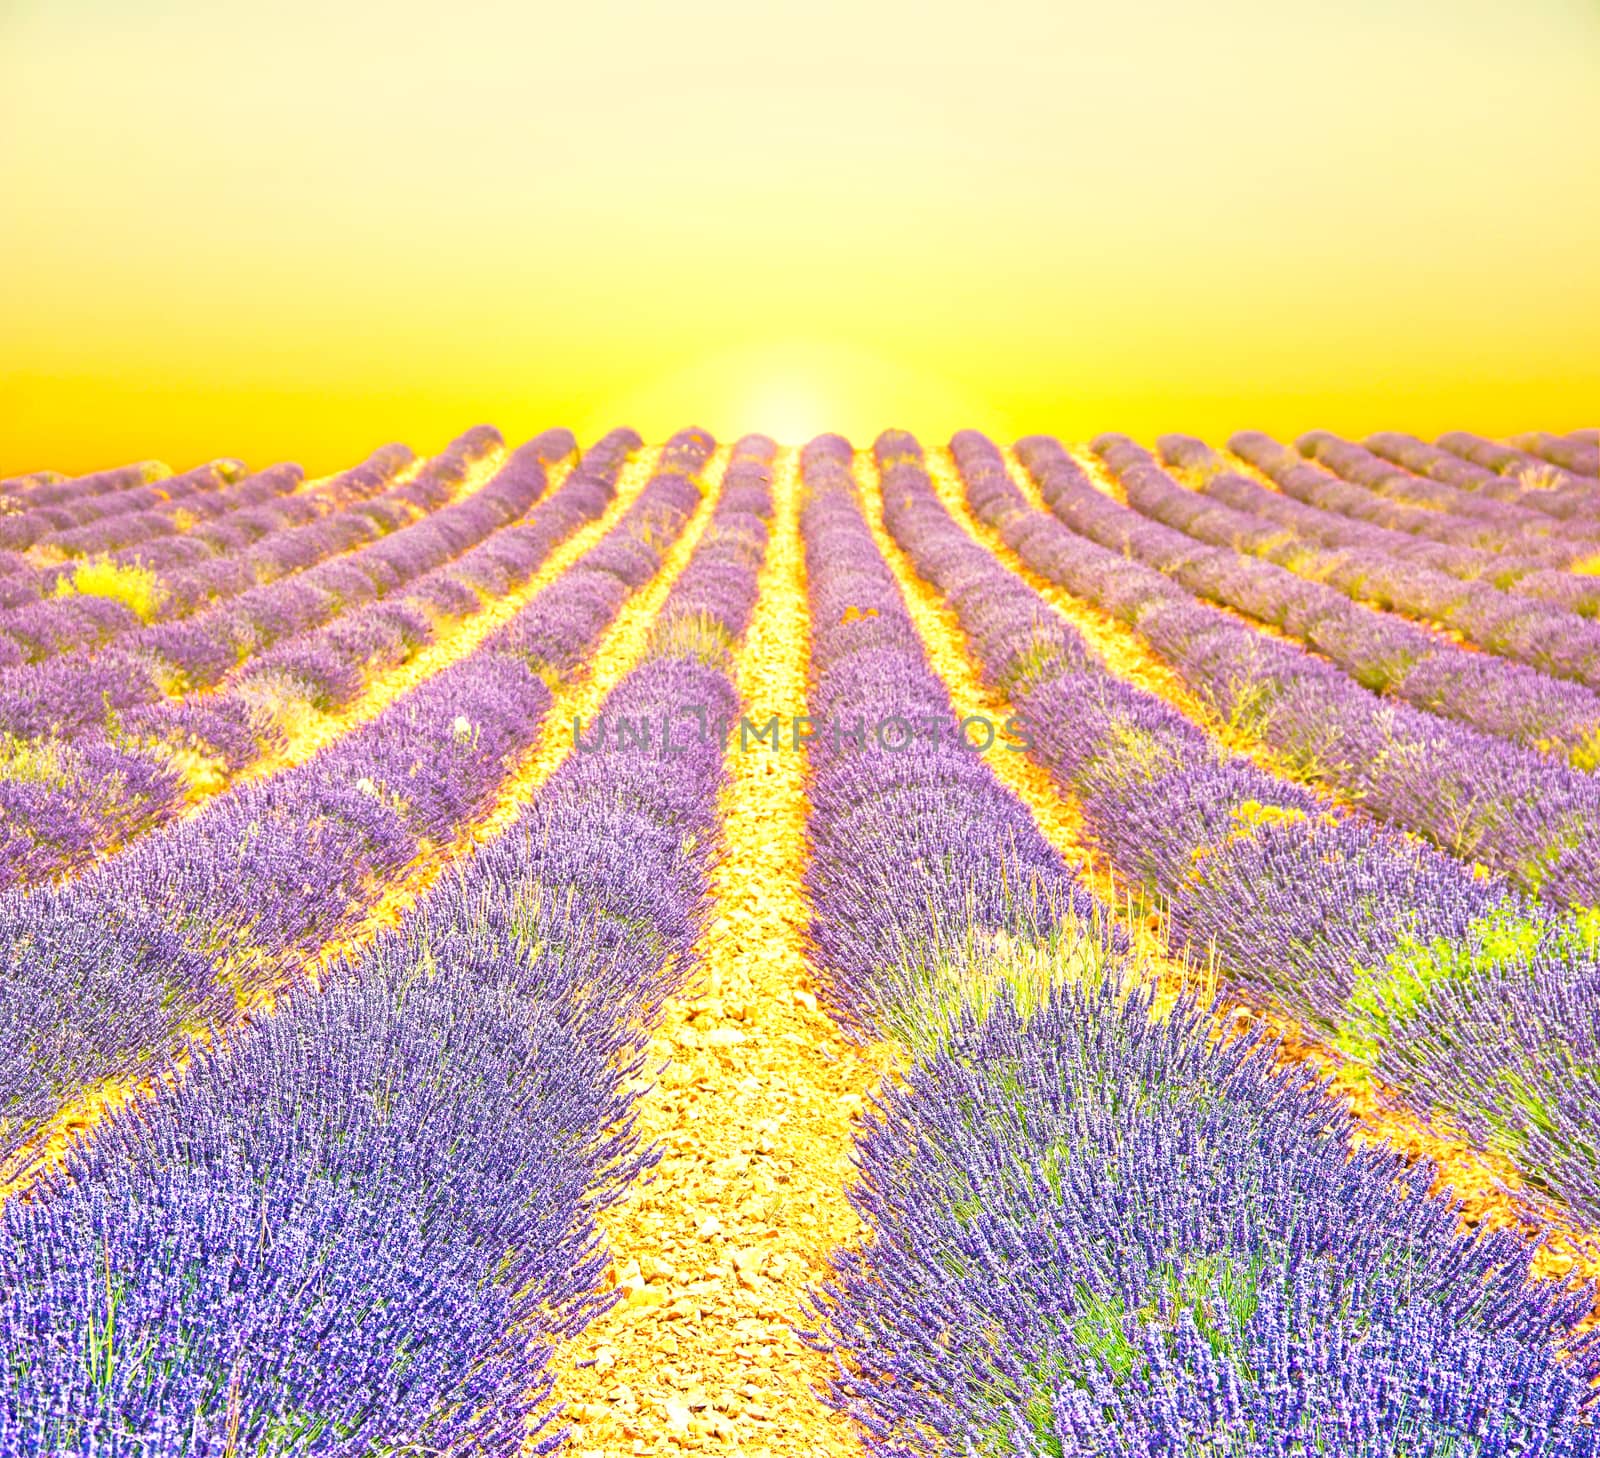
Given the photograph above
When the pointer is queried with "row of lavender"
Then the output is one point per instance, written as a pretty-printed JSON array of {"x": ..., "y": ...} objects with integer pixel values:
[
  {"x": 908, "y": 823},
  {"x": 1363, "y": 481},
  {"x": 111, "y": 974},
  {"x": 424, "y": 1142},
  {"x": 1474, "y": 794},
  {"x": 1384, "y": 944},
  {"x": 319, "y": 638},
  {"x": 1343, "y": 514},
  {"x": 1468, "y": 463},
  {"x": 250, "y": 547},
  {"x": 80, "y": 769},
  {"x": 50, "y": 488},
  {"x": 82, "y": 689},
  {"x": 1578, "y": 452},
  {"x": 1492, "y": 611},
  {"x": 30, "y": 628},
  {"x": 127, "y": 529},
  {"x": 1270, "y": 570},
  {"x": 110, "y": 495},
  {"x": 1095, "y": 1230},
  {"x": 54, "y": 608}
]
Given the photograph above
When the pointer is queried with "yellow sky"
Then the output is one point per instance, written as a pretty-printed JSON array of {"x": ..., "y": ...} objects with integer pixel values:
[{"x": 299, "y": 230}]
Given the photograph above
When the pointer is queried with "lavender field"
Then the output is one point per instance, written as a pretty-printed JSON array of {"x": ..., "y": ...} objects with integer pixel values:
[{"x": 917, "y": 949}]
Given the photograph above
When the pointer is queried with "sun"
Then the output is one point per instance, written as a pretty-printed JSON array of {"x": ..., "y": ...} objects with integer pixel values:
[
  {"x": 792, "y": 390},
  {"x": 791, "y": 409}
]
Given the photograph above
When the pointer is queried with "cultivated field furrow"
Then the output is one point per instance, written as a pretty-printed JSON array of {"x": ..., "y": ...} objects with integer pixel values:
[
  {"x": 1416, "y": 457},
  {"x": 55, "y": 607},
  {"x": 80, "y": 793},
  {"x": 1476, "y": 795},
  {"x": 751, "y": 1113},
  {"x": 804, "y": 951},
  {"x": 151, "y": 523},
  {"x": 219, "y": 914},
  {"x": 251, "y": 548},
  {"x": 1480, "y": 1175},
  {"x": 1078, "y": 710},
  {"x": 922, "y": 857}
]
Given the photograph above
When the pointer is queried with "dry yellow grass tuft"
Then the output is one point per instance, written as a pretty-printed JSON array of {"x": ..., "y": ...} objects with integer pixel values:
[{"x": 136, "y": 588}]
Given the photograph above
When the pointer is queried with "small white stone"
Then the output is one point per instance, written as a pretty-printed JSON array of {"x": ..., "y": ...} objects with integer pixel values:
[{"x": 677, "y": 1415}]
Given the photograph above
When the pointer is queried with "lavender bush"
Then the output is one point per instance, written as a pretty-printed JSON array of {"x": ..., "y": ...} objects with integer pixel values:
[
  {"x": 920, "y": 857},
  {"x": 1282, "y": 576},
  {"x": 177, "y": 590},
  {"x": 1097, "y": 1232},
  {"x": 264, "y": 876},
  {"x": 327, "y": 667},
  {"x": 1518, "y": 511},
  {"x": 34, "y": 523},
  {"x": 1539, "y": 485},
  {"x": 1343, "y": 515},
  {"x": 1542, "y": 539},
  {"x": 51, "y": 488},
  {"x": 81, "y": 690},
  {"x": 1380, "y": 942},
  {"x": 1578, "y": 453},
  {"x": 428, "y": 1139},
  {"x": 1474, "y": 794},
  {"x": 129, "y": 528}
]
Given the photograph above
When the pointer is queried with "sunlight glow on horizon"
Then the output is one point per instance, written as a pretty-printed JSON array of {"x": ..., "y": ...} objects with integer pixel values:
[
  {"x": 790, "y": 412},
  {"x": 791, "y": 389}
]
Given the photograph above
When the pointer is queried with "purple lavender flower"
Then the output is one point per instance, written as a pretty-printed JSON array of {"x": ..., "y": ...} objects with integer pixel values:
[
  {"x": 1474, "y": 794},
  {"x": 36, "y": 523},
  {"x": 265, "y": 875},
  {"x": 1365, "y": 933},
  {"x": 327, "y": 667},
  {"x": 1500, "y": 697},
  {"x": 919, "y": 856},
  {"x": 427, "y": 1139},
  {"x": 1097, "y": 1232}
]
